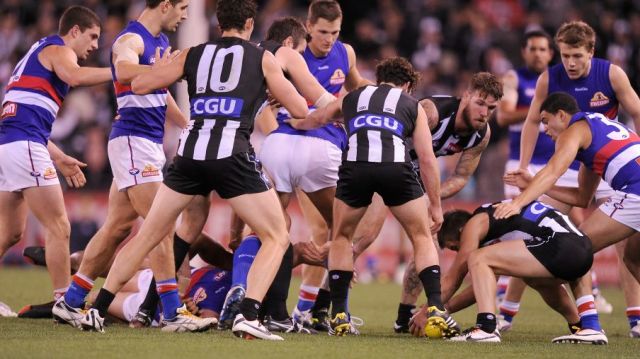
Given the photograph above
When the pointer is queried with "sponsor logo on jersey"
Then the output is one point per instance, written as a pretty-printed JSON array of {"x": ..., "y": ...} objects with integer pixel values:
[
  {"x": 199, "y": 295},
  {"x": 226, "y": 106},
  {"x": 337, "y": 78},
  {"x": 325, "y": 67},
  {"x": 580, "y": 89},
  {"x": 453, "y": 148},
  {"x": 150, "y": 170},
  {"x": 9, "y": 109},
  {"x": 377, "y": 121},
  {"x": 50, "y": 173},
  {"x": 219, "y": 276},
  {"x": 134, "y": 171},
  {"x": 598, "y": 99}
]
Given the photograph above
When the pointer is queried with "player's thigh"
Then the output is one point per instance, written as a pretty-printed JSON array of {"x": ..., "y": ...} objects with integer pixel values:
[
  {"x": 323, "y": 201},
  {"x": 120, "y": 212},
  {"x": 54, "y": 214},
  {"x": 509, "y": 258},
  {"x": 194, "y": 217},
  {"x": 13, "y": 217},
  {"x": 315, "y": 221},
  {"x": 345, "y": 218},
  {"x": 413, "y": 216},
  {"x": 262, "y": 212},
  {"x": 372, "y": 221},
  {"x": 142, "y": 196},
  {"x": 603, "y": 230}
]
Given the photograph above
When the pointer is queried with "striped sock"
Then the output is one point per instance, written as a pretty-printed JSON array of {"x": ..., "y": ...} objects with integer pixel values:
[
  {"x": 588, "y": 313},
  {"x": 633, "y": 315},
  {"x": 307, "y": 297},
  {"x": 501, "y": 289},
  {"x": 168, "y": 292},
  {"x": 508, "y": 310},
  {"x": 80, "y": 286}
]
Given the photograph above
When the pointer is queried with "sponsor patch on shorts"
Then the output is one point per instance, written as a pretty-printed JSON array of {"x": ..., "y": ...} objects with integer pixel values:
[
  {"x": 150, "y": 170},
  {"x": 50, "y": 173}
]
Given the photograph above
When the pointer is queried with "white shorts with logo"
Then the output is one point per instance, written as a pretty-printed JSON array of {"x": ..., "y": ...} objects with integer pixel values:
[
  {"x": 25, "y": 164},
  {"x": 568, "y": 179},
  {"x": 624, "y": 208},
  {"x": 132, "y": 303},
  {"x": 308, "y": 163},
  {"x": 135, "y": 160}
]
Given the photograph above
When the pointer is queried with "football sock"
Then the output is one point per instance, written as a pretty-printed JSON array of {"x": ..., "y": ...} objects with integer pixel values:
[
  {"x": 508, "y": 310},
  {"x": 168, "y": 292},
  {"x": 249, "y": 308},
  {"x": 150, "y": 302},
  {"x": 323, "y": 300},
  {"x": 501, "y": 289},
  {"x": 103, "y": 301},
  {"x": 276, "y": 304},
  {"x": 80, "y": 286},
  {"x": 242, "y": 259},
  {"x": 339, "y": 286},
  {"x": 633, "y": 315},
  {"x": 405, "y": 311},
  {"x": 486, "y": 322},
  {"x": 307, "y": 297},
  {"x": 588, "y": 313},
  {"x": 430, "y": 278}
]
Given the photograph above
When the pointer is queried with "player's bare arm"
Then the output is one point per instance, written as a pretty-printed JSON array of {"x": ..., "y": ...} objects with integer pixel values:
[
  {"x": 429, "y": 169},
  {"x": 64, "y": 62},
  {"x": 354, "y": 80},
  {"x": 174, "y": 114},
  {"x": 126, "y": 52},
  {"x": 626, "y": 95},
  {"x": 68, "y": 166},
  {"x": 465, "y": 167},
  {"x": 168, "y": 68},
  {"x": 281, "y": 89},
  {"x": 508, "y": 113},
  {"x": 531, "y": 126},
  {"x": 473, "y": 231},
  {"x": 319, "y": 117},
  {"x": 431, "y": 111},
  {"x": 568, "y": 144},
  {"x": 304, "y": 81}
]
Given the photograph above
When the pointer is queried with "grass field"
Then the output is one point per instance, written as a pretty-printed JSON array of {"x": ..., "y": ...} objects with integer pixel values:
[{"x": 531, "y": 337}]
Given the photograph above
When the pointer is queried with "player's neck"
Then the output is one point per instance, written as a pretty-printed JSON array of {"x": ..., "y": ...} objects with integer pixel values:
[
  {"x": 149, "y": 19},
  {"x": 316, "y": 51},
  {"x": 244, "y": 35}
]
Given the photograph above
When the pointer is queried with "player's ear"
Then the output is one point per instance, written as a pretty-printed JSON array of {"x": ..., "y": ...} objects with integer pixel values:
[
  {"x": 288, "y": 42},
  {"x": 248, "y": 24}
]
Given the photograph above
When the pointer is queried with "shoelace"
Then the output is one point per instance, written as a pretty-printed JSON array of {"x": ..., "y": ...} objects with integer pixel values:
[{"x": 357, "y": 321}]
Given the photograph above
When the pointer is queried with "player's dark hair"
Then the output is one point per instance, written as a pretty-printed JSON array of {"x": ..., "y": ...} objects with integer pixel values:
[
  {"x": 324, "y": 9},
  {"x": 535, "y": 34},
  {"x": 560, "y": 101},
  {"x": 285, "y": 27},
  {"x": 82, "y": 16},
  {"x": 233, "y": 14},
  {"x": 487, "y": 84},
  {"x": 452, "y": 225},
  {"x": 398, "y": 71},
  {"x": 576, "y": 34},
  {"x": 152, "y": 4}
]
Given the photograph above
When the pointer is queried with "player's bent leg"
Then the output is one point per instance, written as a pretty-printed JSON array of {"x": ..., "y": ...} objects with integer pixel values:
[
  {"x": 13, "y": 219},
  {"x": 604, "y": 231},
  {"x": 370, "y": 225},
  {"x": 54, "y": 218},
  {"x": 323, "y": 200},
  {"x": 193, "y": 219},
  {"x": 509, "y": 306},
  {"x": 630, "y": 286},
  {"x": 557, "y": 298}
]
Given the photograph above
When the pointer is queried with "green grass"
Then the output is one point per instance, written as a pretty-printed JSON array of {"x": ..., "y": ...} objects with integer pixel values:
[{"x": 531, "y": 337}]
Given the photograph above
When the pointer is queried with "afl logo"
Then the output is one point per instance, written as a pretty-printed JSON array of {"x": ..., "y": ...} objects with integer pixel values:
[
  {"x": 598, "y": 99},
  {"x": 35, "y": 174},
  {"x": 337, "y": 78},
  {"x": 134, "y": 171}
]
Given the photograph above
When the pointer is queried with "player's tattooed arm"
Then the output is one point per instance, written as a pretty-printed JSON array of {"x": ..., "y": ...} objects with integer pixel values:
[
  {"x": 354, "y": 80},
  {"x": 465, "y": 168}
]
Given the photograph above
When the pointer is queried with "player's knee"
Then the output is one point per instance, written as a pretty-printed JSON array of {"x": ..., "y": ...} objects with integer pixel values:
[
  {"x": 631, "y": 261},
  {"x": 9, "y": 240},
  {"x": 475, "y": 258},
  {"x": 119, "y": 231},
  {"x": 59, "y": 229}
]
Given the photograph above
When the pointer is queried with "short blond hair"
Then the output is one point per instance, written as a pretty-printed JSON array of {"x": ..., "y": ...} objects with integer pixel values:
[{"x": 576, "y": 34}]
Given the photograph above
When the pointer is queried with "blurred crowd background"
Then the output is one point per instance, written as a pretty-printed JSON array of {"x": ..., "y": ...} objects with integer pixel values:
[{"x": 446, "y": 40}]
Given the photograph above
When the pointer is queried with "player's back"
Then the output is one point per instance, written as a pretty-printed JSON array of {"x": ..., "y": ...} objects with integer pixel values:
[
  {"x": 594, "y": 92},
  {"x": 378, "y": 119},
  {"x": 140, "y": 115},
  {"x": 331, "y": 72},
  {"x": 33, "y": 97},
  {"x": 226, "y": 87}
]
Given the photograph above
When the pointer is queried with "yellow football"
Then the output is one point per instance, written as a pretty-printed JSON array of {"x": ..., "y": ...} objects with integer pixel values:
[{"x": 433, "y": 331}]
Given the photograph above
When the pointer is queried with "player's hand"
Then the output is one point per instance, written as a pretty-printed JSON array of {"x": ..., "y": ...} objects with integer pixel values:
[
  {"x": 71, "y": 170},
  {"x": 436, "y": 218},
  {"x": 519, "y": 178},
  {"x": 309, "y": 253},
  {"x": 191, "y": 306},
  {"x": 166, "y": 57},
  {"x": 506, "y": 210},
  {"x": 418, "y": 322}
]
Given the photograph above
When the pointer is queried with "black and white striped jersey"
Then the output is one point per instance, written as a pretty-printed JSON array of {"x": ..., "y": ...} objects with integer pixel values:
[
  {"x": 536, "y": 220},
  {"x": 226, "y": 89},
  {"x": 378, "y": 120},
  {"x": 445, "y": 140}
]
